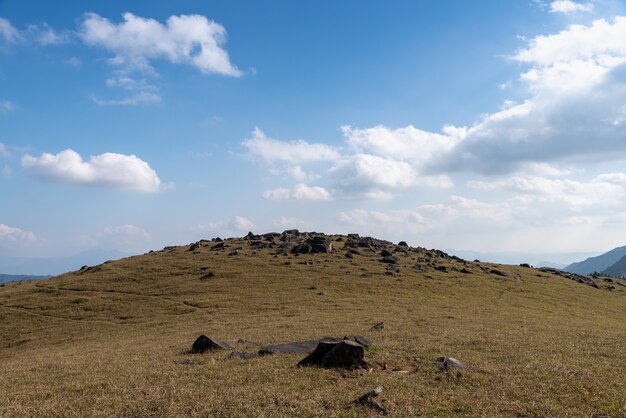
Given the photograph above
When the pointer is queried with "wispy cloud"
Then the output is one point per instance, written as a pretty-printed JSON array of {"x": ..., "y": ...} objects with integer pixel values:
[{"x": 569, "y": 6}]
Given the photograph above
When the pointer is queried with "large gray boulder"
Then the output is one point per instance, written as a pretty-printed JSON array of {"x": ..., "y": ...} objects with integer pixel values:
[{"x": 345, "y": 354}]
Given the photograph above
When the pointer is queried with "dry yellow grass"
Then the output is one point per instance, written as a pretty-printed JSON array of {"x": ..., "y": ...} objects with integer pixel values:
[{"x": 106, "y": 342}]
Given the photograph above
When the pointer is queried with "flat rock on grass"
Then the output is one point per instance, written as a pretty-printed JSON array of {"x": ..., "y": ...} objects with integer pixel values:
[{"x": 299, "y": 347}]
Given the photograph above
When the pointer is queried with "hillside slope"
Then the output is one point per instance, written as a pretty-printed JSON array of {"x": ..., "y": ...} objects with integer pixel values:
[
  {"x": 113, "y": 339},
  {"x": 618, "y": 269},
  {"x": 598, "y": 263}
]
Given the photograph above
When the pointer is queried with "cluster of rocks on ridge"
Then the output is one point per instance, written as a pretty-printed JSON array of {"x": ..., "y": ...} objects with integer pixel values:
[{"x": 294, "y": 243}]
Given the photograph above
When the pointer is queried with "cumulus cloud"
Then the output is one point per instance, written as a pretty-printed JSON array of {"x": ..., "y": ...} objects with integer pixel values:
[
  {"x": 569, "y": 6},
  {"x": 299, "y": 192},
  {"x": 292, "y": 152},
  {"x": 372, "y": 176},
  {"x": 116, "y": 171},
  {"x": 407, "y": 144},
  {"x": 601, "y": 190},
  {"x": 186, "y": 39},
  {"x": 574, "y": 110},
  {"x": 11, "y": 236}
]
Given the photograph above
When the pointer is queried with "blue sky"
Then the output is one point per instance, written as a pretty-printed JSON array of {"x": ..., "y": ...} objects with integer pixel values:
[{"x": 485, "y": 125}]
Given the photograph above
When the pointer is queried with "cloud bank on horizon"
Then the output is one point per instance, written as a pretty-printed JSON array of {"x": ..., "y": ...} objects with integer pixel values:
[{"x": 546, "y": 163}]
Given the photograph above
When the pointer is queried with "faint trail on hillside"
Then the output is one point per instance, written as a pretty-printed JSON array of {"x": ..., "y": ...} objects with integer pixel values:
[
  {"x": 62, "y": 318},
  {"x": 162, "y": 298}
]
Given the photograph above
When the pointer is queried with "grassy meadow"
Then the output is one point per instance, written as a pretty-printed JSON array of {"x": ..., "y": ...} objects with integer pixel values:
[{"x": 113, "y": 340}]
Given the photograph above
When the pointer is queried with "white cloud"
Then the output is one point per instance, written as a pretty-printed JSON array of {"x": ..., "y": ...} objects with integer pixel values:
[
  {"x": 141, "y": 97},
  {"x": 127, "y": 231},
  {"x": 4, "y": 152},
  {"x": 74, "y": 62},
  {"x": 406, "y": 144},
  {"x": 44, "y": 35},
  {"x": 406, "y": 218},
  {"x": 285, "y": 222},
  {"x": 186, "y": 39},
  {"x": 8, "y": 32},
  {"x": 126, "y": 237},
  {"x": 235, "y": 226},
  {"x": 240, "y": 223},
  {"x": 117, "y": 171},
  {"x": 602, "y": 190},
  {"x": 574, "y": 111},
  {"x": 569, "y": 6},
  {"x": 7, "y": 172},
  {"x": 7, "y": 106},
  {"x": 11, "y": 235},
  {"x": 299, "y": 192},
  {"x": 375, "y": 177},
  {"x": 292, "y": 152}
]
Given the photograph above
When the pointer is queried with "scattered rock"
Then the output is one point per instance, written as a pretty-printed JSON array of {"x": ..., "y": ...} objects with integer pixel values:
[
  {"x": 207, "y": 276},
  {"x": 465, "y": 271},
  {"x": 441, "y": 268},
  {"x": 184, "y": 362},
  {"x": 389, "y": 259},
  {"x": 379, "y": 326},
  {"x": 386, "y": 253},
  {"x": 525, "y": 265},
  {"x": 242, "y": 355},
  {"x": 419, "y": 268},
  {"x": 301, "y": 347},
  {"x": 344, "y": 354},
  {"x": 592, "y": 284},
  {"x": 363, "y": 341},
  {"x": 498, "y": 272},
  {"x": 232, "y": 253},
  {"x": 219, "y": 246},
  {"x": 243, "y": 341},
  {"x": 449, "y": 363},
  {"x": 193, "y": 247},
  {"x": 367, "y": 399},
  {"x": 403, "y": 244},
  {"x": 321, "y": 294},
  {"x": 349, "y": 255},
  {"x": 204, "y": 343}
]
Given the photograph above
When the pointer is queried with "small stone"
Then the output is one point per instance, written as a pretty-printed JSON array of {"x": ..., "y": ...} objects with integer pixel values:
[
  {"x": 242, "y": 355},
  {"x": 449, "y": 363},
  {"x": 379, "y": 326},
  {"x": 363, "y": 341}
]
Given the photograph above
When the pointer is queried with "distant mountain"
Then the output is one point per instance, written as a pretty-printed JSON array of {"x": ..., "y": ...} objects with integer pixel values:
[
  {"x": 14, "y": 277},
  {"x": 598, "y": 263},
  {"x": 617, "y": 269},
  {"x": 555, "y": 260},
  {"x": 56, "y": 265}
]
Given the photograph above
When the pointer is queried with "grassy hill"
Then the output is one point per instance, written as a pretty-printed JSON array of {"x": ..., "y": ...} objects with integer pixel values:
[{"x": 113, "y": 339}]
